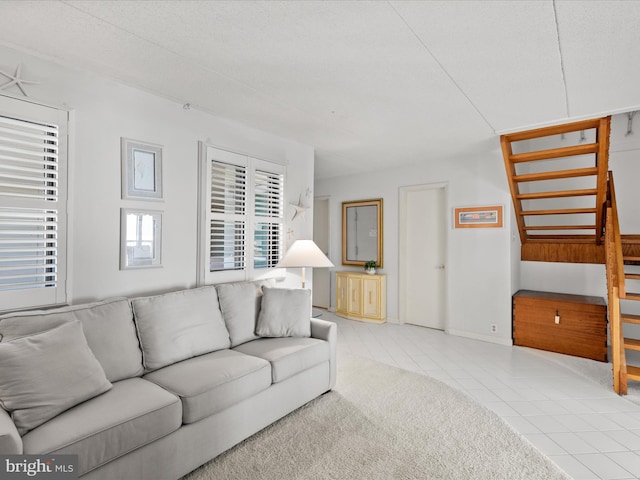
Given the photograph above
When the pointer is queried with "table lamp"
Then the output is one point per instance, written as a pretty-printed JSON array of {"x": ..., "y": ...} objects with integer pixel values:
[{"x": 304, "y": 253}]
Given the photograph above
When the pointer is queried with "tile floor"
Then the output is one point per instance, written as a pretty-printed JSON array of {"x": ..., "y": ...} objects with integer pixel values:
[{"x": 588, "y": 430}]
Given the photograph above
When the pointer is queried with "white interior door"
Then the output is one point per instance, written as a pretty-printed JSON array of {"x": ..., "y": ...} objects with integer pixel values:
[
  {"x": 422, "y": 256},
  {"x": 321, "y": 279}
]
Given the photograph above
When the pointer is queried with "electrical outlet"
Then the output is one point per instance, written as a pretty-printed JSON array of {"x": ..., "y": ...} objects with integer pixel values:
[{"x": 494, "y": 328}]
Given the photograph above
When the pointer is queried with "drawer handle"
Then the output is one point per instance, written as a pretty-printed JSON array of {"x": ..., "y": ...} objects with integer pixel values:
[{"x": 557, "y": 318}]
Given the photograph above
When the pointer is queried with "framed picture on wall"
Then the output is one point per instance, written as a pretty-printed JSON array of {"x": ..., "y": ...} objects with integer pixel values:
[
  {"x": 140, "y": 238},
  {"x": 141, "y": 170},
  {"x": 478, "y": 217}
]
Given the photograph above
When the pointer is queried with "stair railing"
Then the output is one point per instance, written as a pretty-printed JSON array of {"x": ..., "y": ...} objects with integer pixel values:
[
  {"x": 615, "y": 289},
  {"x": 602, "y": 163}
]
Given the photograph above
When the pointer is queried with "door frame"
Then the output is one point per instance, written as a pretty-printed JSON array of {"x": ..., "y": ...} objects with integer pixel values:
[
  {"x": 327, "y": 226},
  {"x": 402, "y": 256}
]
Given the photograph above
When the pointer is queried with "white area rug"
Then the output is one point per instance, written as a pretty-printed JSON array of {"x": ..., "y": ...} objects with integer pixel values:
[{"x": 381, "y": 422}]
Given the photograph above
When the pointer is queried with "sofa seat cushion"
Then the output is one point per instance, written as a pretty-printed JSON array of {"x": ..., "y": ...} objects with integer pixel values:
[
  {"x": 133, "y": 413},
  {"x": 288, "y": 356},
  {"x": 210, "y": 383}
]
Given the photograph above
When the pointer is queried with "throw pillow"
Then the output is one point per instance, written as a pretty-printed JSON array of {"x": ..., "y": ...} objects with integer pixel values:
[
  {"x": 47, "y": 373},
  {"x": 285, "y": 313},
  {"x": 107, "y": 326}
]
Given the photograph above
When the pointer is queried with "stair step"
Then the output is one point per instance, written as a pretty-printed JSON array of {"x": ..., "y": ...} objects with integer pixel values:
[
  {"x": 633, "y": 373},
  {"x": 560, "y": 227},
  {"x": 578, "y": 239},
  {"x": 630, "y": 239},
  {"x": 557, "y": 194},
  {"x": 566, "y": 211},
  {"x": 629, "y": 318},
  {"x": 631, "y": 344},
  {"x": 632, "y": 296},
  {"x": 553, "y": 130},
  {"x": 632, "y": 276},
  {"x": 555, "y": 175},
  {"x": 554, "y": 153}
]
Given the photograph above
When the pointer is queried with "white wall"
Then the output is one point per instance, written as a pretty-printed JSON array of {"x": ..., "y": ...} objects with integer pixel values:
[
  {"x": 479, "y": 267},
  {"x": 624, "y": 162},
  {"x": 103, "y": 111}
]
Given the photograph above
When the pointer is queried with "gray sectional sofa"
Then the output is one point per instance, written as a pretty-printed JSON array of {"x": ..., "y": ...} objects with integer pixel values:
[{"x": 152, "y": 388}]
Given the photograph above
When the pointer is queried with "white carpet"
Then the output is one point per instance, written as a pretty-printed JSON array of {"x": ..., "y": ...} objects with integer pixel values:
[{"x": 381, "y": 422}]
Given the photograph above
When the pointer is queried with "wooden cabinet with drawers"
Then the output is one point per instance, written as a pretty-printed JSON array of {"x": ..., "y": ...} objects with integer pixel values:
[
  {"x": 360, "y": 296},
  {"x": 563, "y": 323}
]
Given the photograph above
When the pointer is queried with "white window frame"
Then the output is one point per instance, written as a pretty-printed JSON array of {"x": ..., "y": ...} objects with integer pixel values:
[
  {"x": 49, "y": 293},
  {"x": 209, "y": 154}
]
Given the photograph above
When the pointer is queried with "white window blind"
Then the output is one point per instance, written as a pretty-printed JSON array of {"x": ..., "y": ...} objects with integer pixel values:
[
  {"x": 268, "y": 218},
  {"x": 29, "y": 246},
  {"x": 32, "y": 206},
  {"x": 29, "y": 154},
  {"x": 241, "y": 215},
  {"x": 228, "y": 216}
]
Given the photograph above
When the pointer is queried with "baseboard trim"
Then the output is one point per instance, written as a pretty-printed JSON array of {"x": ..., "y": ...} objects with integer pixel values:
[{"x": 485, "y": 338}]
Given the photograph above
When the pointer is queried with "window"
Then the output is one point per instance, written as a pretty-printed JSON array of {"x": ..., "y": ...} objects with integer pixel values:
[
  {"x": 241, "y": 215},
  {"x": 33, "y": 185}
]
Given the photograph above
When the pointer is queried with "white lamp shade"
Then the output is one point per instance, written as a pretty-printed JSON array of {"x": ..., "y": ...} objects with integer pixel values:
[{"x": 304, "y": 253}]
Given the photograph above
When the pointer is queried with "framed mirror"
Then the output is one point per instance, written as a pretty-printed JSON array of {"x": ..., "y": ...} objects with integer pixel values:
[{"x": 362, "y": 232}]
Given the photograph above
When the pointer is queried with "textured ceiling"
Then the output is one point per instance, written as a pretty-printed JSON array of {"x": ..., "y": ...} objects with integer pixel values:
[{"x": 371, "y": 85}]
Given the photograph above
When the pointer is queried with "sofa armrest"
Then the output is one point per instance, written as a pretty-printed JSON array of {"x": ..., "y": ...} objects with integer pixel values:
[
  {"x": 324, "y": 330},
  {"x": 327, "y": 331},
  {"x": 10, "y": 441}
]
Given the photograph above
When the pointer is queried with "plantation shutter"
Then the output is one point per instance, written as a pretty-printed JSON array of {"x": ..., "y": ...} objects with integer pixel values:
[
  {"x": 32, "y": 206},
  {"x": 268, "y": 218},
  {"x": 228, "y": 217},
  {"x": 241, "y": 214}
]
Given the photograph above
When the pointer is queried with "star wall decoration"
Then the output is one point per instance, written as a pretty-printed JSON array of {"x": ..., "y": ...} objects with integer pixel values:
[
  {"x": 17, "y": 80},
  {"x": 300, "y": 209}
]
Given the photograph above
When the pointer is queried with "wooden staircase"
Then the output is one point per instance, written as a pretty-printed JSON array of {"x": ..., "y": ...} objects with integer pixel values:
[
  {"x": 577, "y": 224},
  {"x": 559, "y": 225},
  {"x": 622, "y": 257}
]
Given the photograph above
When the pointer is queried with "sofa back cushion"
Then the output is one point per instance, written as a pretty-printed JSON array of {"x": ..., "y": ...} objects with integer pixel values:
[
  {"x": 108, "y": 327},
  {"x": 240, "y": 313},
  {"x": 47, "y": 373},
  {"x": 179, "y": 325}
]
